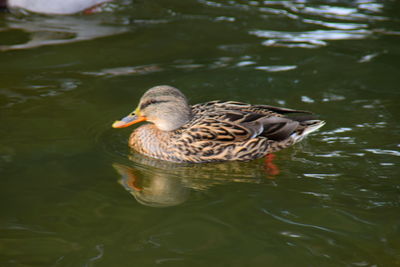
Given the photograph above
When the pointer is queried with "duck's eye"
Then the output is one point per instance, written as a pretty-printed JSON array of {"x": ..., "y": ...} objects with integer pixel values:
[{"x": 151, "y": 102}]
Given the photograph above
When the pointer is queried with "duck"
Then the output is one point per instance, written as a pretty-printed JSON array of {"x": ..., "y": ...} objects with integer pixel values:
[
  {"x": 56, "y": 7},
  {"x": 214, "y": 131}
]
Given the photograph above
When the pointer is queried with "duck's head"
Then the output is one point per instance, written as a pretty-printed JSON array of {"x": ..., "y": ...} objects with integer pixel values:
[{"x": 164, "y": 105}]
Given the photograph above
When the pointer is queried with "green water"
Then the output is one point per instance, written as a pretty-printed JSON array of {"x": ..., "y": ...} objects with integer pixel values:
[{"x": 72, "y": 194}]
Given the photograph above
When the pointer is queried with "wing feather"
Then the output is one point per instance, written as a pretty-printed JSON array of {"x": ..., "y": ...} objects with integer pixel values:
[{"x": 235, "y": 121}]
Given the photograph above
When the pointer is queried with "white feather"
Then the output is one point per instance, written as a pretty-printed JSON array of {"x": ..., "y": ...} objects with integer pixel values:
[{"x": 61, "y": 7}]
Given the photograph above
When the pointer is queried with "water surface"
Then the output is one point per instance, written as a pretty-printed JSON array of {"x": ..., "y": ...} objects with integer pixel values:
[{"x": 72, "y": 194}]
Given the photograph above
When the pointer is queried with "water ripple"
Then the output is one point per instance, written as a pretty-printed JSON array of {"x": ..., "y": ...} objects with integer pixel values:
[
  {"x": 308, "y": 39},
  {"x": 36, "y": 89},
  {"x": 134, "y": 70},
  {"x": 319, "y": 195},
  {"x": 339, "y": 12},
  {"x": 245, "y": 62},
  {"x": 321, "y": 175},
  {"x": 354, "y": 217},
  {"x": 337, "y": 25},
  {"x": 336, "y": 22},
  {"x": 291, "y": 234},
  {"x": 100, "y": 253},
  {"x": 375, "y": 125},
  {"x": 339, "y": 130},
  {"x": 276, "y": 68},
  {"x": 339, "y": 139},
  {"x": 384, "y": 152},
  {"x": 297, "y": 223}
]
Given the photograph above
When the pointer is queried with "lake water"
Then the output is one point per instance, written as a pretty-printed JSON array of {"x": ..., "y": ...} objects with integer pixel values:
[{"x": 72, "y": 194}]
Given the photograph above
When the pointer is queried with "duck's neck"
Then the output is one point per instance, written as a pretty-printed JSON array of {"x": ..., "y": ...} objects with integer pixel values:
[{"x": 174, "y": 120}]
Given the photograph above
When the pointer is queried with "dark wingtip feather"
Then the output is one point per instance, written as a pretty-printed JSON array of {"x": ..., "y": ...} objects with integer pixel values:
[{"x": 281, "y": 110}]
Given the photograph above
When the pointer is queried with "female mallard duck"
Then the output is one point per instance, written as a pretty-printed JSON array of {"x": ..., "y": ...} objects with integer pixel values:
[{"x": 212, "y": 131}]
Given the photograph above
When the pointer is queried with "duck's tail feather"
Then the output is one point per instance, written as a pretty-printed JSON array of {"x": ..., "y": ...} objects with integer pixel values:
[{"x": 306, "y": 127}]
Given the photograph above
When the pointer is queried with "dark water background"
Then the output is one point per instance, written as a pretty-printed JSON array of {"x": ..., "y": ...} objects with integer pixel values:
[{"x": 71, "y": 193}]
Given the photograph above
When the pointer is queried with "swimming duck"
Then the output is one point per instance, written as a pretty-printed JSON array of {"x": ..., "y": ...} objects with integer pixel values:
[
  {"x": 212, "y": 131},
  {"x": 60, "y": 7}
]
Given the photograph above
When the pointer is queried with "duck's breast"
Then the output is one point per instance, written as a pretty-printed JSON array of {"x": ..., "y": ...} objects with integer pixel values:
[{"x": 149, "y": 140}]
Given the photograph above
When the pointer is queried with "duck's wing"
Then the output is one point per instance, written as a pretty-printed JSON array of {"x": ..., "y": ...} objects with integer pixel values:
[
  {"x": 235, "y": 125},
  {"x": 218, "y": 129},
  {"x": 218, "y": 105}
]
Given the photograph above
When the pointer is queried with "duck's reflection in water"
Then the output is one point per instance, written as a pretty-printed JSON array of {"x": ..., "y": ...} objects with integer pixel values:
[
  {"x": 56, "y": 30},
  {"x": 159, "y": 183},
  {"x": 155, "y": 189}
]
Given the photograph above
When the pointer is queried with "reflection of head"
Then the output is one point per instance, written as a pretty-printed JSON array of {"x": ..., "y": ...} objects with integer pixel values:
[{"x": 155, "y": 189}]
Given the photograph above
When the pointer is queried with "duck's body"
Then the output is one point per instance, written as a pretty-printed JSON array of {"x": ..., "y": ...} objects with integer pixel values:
[
  {"x": 212, "y": 131},
  {"x": 60, "y": 7}
]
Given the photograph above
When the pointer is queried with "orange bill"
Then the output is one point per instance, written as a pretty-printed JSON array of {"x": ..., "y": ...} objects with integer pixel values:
[{"x": 128, "y": 120}]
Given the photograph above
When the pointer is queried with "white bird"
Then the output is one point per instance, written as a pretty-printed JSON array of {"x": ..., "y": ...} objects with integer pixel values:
[{"x": 60, "y": 7}]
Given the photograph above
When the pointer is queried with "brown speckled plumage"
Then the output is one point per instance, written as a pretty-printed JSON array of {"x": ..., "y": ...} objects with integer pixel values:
[{"x": 221, "y": 131}]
